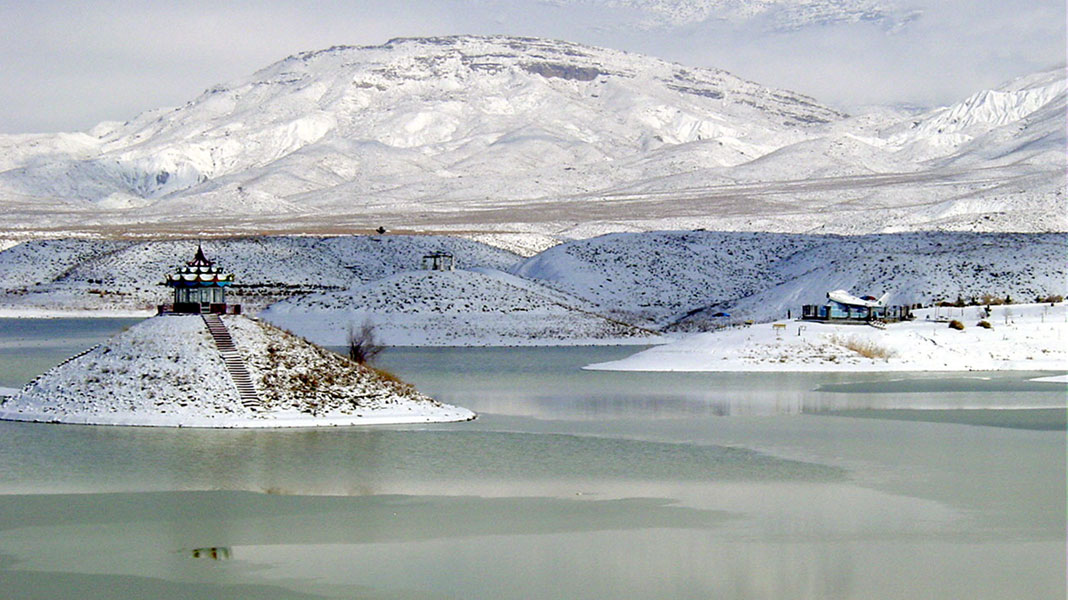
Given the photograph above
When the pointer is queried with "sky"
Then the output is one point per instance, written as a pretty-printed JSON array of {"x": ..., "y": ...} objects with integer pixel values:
[{"x": 69, "y": 65}]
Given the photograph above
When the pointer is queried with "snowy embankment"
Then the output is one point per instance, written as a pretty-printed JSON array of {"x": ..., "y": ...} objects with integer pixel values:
[
  {"x": 168, "y": 371},
  {"x": 1021, "y": 337},
  {"x": 612, "y": 289}
]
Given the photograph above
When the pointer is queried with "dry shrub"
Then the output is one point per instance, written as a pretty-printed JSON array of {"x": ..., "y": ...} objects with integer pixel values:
[
  {"x": 362, "y": 344},
  {"x": 386, "y": 375},
  {"x": 864, "y": 347},
  {"x": 985, "y": 324},
  {"x": 955, "y": 324},
  {"x": 991, "y": 300}
]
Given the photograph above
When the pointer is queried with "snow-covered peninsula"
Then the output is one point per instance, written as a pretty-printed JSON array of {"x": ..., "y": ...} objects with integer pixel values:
[
  {"x": 1030, "y": 337},
  {"x": 168, "y": 371}
]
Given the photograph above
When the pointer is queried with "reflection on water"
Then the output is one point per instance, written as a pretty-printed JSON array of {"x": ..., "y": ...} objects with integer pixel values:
[
  {"x": 571, "y": 484},
  {"x": 550, "y": 383},
  {"x": 804, "y": 542},
  {"x": 942, "y": 383},
  {"x": 354, "y": 461},
  {"x": 213, "y": 553},
  {"x": 1037, "y": 419}
]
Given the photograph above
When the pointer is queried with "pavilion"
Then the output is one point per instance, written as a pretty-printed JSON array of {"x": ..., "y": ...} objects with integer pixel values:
[{"x": 200, "y": 288}]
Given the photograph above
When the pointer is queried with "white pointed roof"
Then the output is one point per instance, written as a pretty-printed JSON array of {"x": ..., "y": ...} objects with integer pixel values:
[{"x": 846, "y": 298}]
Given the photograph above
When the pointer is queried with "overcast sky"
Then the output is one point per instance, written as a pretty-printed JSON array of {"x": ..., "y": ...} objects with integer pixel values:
[{"x": 69, "y": 65}]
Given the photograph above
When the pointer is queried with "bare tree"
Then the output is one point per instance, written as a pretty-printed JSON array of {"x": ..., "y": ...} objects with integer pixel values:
[{"x": 363, "y": 347}]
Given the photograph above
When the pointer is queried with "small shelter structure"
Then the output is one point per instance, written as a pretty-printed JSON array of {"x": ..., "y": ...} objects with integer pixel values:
[
  {"x": 200, "y": 287},
  {"x": 843, "y": 307},
  {"x": 438, "y": 261}
]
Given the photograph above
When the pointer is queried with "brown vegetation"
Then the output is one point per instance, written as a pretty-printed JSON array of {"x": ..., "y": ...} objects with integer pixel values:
[
  {"x": 863, "y": 347},
  {"x": 296, "y": 374}
]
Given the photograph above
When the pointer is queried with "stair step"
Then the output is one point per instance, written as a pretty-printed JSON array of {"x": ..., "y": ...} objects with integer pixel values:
[{"x": 235, "y": 365}]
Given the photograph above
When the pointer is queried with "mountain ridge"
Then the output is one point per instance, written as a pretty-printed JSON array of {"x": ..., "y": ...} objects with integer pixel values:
[{"x": 466, "y": 131}]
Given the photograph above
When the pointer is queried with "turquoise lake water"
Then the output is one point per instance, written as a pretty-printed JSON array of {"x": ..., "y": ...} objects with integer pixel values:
[{"x": 571, "y": 484}]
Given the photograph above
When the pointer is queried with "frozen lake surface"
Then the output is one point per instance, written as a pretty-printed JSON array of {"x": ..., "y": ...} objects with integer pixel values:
[{"x": 571, "y": 484}]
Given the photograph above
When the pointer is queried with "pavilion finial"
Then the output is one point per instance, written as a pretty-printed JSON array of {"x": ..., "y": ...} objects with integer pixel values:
[{"x": 200, "y": 260}]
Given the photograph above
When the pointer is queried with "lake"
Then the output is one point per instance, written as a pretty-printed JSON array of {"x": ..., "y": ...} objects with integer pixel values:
[{"x": 570, "y": 484}]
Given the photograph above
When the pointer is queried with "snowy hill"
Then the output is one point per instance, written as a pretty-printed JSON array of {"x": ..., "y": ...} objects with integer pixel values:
[
  {"x": 504, "y": 134},
  {"x": 371, "y": 119},
  {"x": 167, "y": 371},
  {"x": 75, "y": 274},
  {"x": 656, "y": 276},
  {"x": 617, "y": 287},
  {"x": 453, "y": 308},
  {"x": 680, "y": 279},
  {"x": 995, "y": 124},
  {"x": 911, "y": 268}
]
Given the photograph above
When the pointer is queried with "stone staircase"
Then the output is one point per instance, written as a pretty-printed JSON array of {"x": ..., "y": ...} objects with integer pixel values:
[{"x": 234, "y": 363}]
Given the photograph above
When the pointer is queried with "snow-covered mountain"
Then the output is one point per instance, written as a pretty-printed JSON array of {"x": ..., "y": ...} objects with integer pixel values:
[
  {"x": 519, "y": 134},
  {"x": 367, "y": 118},
  {"x": 1023, "y": 119}
]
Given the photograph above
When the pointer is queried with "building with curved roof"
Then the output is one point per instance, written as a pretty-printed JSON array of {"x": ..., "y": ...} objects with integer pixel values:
[{"x": 200, "y": 287}]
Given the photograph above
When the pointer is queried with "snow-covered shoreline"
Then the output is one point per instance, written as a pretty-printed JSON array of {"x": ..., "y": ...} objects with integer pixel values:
[
  {"x": 72, "y": 313},
  {"x": 207, "y": 423},
  {"x": 1029, "y": 337}
]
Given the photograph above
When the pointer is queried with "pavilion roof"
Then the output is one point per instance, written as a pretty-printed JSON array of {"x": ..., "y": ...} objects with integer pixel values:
[{"x": 199, "y": 272}]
